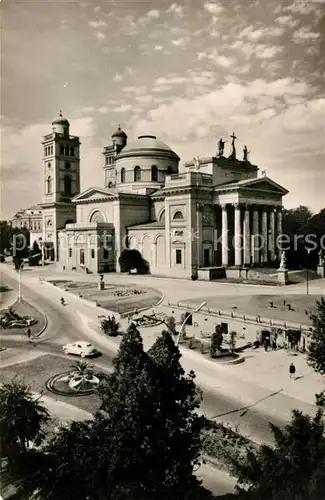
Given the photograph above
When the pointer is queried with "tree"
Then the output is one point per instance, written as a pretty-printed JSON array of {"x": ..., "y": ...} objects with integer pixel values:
[
  {"x": 22, "y": 422},
  {"x": 171, "y": 324},
  {"x": 110, "y": 326},
  {"x": 292, "y": 469},
  {"x": 316, "y": 351},
  {"x": 145, "y": 440},
  {"x": 131, "y": 259},
  {"x": 22, "y": 418},
  {"x": 216, "y": 341}
]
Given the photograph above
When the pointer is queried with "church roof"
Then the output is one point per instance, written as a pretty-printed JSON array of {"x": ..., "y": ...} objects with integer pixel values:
[
  {"x": 147, "y": 144},
  {"x": 61, "y": 120},
  {"x": 149, "y": 225},
  {"x": 261, "y": 183},
  {"x": 119, "y": 133}
]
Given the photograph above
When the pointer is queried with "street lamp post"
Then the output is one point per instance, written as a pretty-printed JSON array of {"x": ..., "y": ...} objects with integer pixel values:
[
  {"x": 185, "y": 321},
  {"x": 19, "y": 280},
  {"x": 307, "y": 272}
]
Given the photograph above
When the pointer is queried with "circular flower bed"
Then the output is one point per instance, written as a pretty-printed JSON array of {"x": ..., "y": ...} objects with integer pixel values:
[{"x": 73, "y": 384}]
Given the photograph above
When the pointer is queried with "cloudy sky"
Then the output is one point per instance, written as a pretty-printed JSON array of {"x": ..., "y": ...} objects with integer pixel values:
[{"x": 189, "y": 72}]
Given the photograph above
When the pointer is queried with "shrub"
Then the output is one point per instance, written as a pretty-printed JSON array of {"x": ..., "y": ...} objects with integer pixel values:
[
  {"x": 216, "y": 341},
  {"x": 110, "y": 326},
  {"x": 171, "y": 323},
  {"x": 132, "y": 259}
]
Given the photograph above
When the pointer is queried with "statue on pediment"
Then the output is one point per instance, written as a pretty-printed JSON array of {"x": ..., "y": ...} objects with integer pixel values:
[
  {"x": 283, "y": 261},
  {"x": 196, "y": 161},
  {"x": 245, "y": 154},
  {"x": 221, "y": 147},
  {"x": 233, "y": 152}
]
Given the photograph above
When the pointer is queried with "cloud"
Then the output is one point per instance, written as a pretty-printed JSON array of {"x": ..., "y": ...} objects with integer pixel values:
[
  {"x": 220, "y": 59},
  {"x": 117, "y": 77},
  {"x": 123, "y": 108},
  {"x": 158, "y": 48},
  {"x": 303, "y": 35},
  {"x": 287, "y": 21},
  {"x": 181, "y": 42},
  {"x": 213, "y": 8},
  {"x": 97, "y": 24},
  {"x": 254, "y": 35},
  {"x": 100, "y": 35},
  {"x": 174, "y": 8},
  {"x": 174, "y": 80},
  {"x": 103, "y": 109}
]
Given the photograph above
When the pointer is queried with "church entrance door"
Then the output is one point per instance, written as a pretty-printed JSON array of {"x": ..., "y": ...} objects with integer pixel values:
[{"x": 206, "y": 257}]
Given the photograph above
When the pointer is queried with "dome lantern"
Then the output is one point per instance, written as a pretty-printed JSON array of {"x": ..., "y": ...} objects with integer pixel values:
[{"x": 61, "y": 125}]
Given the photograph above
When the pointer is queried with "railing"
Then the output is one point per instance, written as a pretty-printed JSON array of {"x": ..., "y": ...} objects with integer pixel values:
[{"x": 247, "y": 318}]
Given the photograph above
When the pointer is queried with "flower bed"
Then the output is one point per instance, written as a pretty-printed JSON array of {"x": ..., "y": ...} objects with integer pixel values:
[{"x": 128, "y": 292}]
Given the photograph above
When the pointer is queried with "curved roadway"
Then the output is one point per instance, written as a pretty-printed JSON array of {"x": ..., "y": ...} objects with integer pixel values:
[{"x": 63, "y": 326}]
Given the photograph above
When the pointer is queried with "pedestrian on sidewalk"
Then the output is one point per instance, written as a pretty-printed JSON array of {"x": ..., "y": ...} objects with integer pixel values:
[
  {"x": 29, "y": 333},
  {"x": 292, "y": 371}
]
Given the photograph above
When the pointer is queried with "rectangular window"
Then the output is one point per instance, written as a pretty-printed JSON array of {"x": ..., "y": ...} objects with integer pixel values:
[
  {"x": 105, "y": 253},
  {"x": 70, "y": 252},
  {"x": 82, "y": 256},
  {"x": 111, "y": 160},
  {"x": 61, "y": 150},
  {"x": 178, "y": 256},
  {"x": 92, "y": 253},
  {"x": 106, "y": 160}
]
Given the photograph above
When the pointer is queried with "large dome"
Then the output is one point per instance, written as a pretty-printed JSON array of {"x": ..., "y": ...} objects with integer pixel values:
[{"x": 147, "y": 144}]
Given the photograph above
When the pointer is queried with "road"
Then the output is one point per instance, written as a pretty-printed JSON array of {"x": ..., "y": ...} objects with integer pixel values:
[{"x": 63, "y": 326}]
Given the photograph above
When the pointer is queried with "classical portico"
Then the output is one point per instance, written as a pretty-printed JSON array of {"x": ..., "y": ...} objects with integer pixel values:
[{"x": 253, "y": 239}]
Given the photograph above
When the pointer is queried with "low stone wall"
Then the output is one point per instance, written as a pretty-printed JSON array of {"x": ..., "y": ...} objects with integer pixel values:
[{"x": 246, "y": 326}]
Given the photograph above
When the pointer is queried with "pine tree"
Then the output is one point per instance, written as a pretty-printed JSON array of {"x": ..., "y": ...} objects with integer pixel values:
[{"x": 316, "y": 354}]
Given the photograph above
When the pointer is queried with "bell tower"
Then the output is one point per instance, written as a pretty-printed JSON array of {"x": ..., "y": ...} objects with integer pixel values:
[{"x": 61, "y": 182}]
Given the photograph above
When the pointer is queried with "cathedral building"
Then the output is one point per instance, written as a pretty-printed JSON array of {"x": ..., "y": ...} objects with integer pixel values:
[{"x": 216, "y": 217}]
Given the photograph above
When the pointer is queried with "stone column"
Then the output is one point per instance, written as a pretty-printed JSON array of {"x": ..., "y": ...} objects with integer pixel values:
[
  {"x": 272, "y": 236},
  {"x": 224, "y": 238},
  {"x": 247, "y": 238},
  {"x": 167, "y": 234},
  {"x": 238, "y": 237},
  {"x": 255, "y": 238},
  {"x": 264, "y": 236},
  {"x": 279, "y": 231}
]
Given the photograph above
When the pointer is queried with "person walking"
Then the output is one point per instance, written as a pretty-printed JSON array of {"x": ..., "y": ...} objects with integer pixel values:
[
  {"x": 29, "y": 333},
  {"x": 292, "y": 371}
]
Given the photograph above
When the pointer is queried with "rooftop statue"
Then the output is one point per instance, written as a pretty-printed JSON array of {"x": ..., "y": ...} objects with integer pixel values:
[
  {"x": 221, "y": 147},
  {"x": 245, "y": 154},
  {"x": 233, "y": 153}
]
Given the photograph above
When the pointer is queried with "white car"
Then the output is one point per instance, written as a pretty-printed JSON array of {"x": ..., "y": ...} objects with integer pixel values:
[{"x": 80, "y": 348}]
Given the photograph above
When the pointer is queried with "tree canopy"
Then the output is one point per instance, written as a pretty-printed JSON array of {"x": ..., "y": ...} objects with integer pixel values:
[
  {"x": 145, "y": 439},
  {"x": 292, "y": 469},
  {"x": 316, "y": 350}
]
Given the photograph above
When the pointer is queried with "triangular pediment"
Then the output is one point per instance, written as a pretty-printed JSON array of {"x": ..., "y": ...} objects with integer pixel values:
[
  {"x": 263, "y": 184},
  {"x": 95, "y": 193}
]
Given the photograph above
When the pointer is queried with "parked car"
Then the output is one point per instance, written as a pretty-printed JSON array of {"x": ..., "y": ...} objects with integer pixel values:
[{"x": 80, "y": 348}]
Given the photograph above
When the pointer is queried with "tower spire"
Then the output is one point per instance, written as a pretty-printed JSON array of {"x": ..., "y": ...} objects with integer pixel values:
[{"x": 60, "y": 113}]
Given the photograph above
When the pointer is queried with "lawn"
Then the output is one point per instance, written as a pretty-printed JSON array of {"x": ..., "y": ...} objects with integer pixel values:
[
  {"x": 36, "y": 373},
  {"x": 23, "y": 308}
]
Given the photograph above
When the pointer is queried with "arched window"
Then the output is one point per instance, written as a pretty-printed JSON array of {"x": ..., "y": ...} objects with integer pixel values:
[
  {"x": 71, "y": 151},
  {"x": 178, "y": 215},
  {"x": 154, "y": 173},
  {"x": 66, "y": 151},
  {"x": 122, "y": 175},
  {"x": 49, "y": 185},
  {"x": 162, "y": 216},
  {"x": 67, "y": 164},
  {"x": 137, "y": 174},
  {"x": 67, "y": 185},
  {"x": 49, "y": 165},
  {"x": 169, "y": 170},
  {"x": 61, "y": 150}
]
